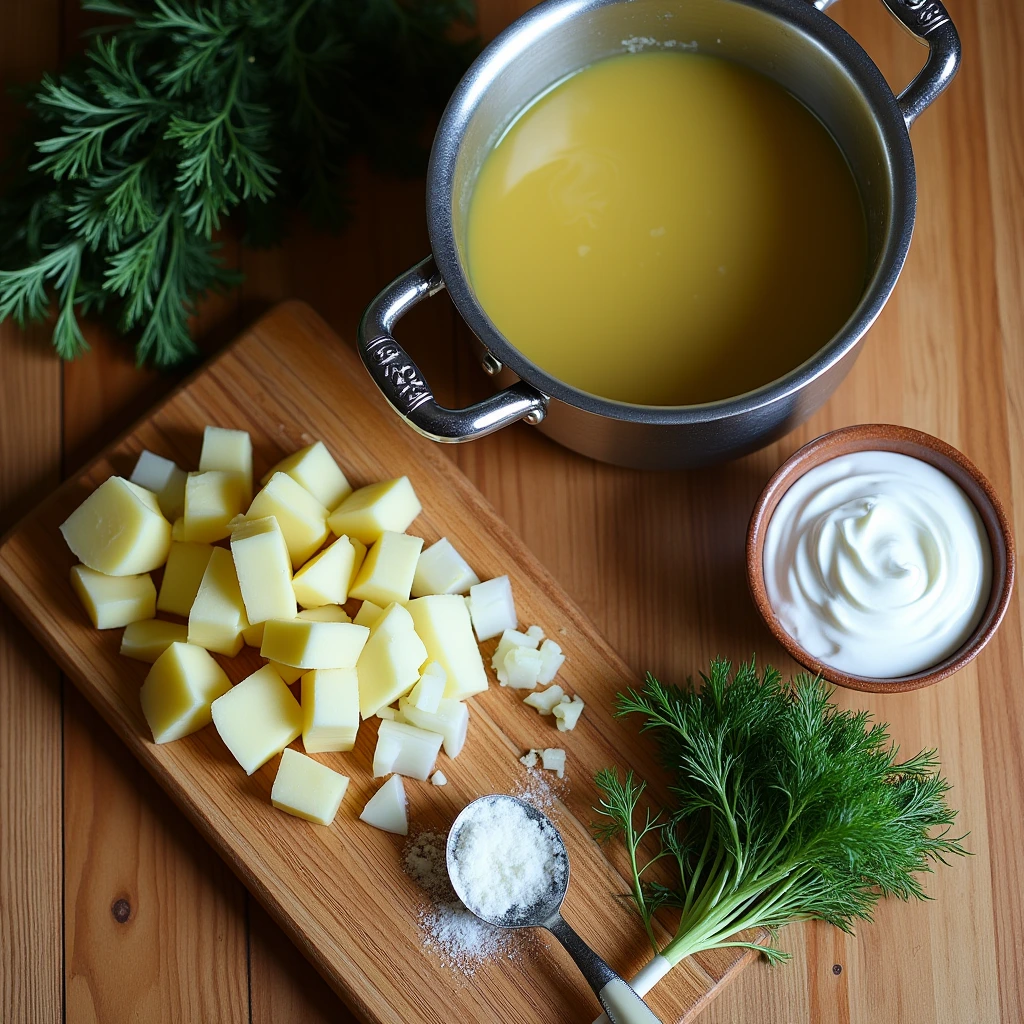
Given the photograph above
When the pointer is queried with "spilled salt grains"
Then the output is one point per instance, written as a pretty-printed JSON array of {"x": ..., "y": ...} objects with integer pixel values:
[
  {"x": 459, "y": 939},
  {"x": 505, "y": 861},
  {"x": 538, "y": 790}
]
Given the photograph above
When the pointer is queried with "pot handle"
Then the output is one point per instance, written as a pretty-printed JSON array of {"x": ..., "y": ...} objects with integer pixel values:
[
  {"x": 929, "y": 21},
  {"x": 404, "y": 386}
]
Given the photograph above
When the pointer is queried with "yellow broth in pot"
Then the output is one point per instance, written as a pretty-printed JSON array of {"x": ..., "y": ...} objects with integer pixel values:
[{"x": 667, "y": 229}]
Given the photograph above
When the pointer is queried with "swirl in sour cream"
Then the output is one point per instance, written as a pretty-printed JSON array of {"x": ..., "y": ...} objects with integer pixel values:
[{"x": 877, "y": 564}]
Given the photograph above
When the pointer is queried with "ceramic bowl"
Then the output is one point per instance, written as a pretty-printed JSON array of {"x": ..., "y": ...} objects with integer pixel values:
[{"x": 918, "y": 445}]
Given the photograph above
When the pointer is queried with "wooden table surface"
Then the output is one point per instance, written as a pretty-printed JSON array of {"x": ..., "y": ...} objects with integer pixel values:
[{"x": 113, "y": 909}]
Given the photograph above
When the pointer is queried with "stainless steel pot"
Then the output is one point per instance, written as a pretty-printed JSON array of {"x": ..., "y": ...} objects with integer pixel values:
[{"x": 791, "y": 41}]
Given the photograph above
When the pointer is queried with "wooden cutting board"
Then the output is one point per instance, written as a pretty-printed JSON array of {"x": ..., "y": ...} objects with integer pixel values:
[{"x": 339, "y": 892}]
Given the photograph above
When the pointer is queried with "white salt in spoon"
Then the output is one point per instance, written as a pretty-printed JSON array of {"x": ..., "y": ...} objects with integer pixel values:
[{"x": 620, "y": 1002}]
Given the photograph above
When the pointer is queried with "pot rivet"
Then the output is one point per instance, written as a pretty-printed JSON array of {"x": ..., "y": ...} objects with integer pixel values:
[
  {"x": 534, "y": 417},
  {"x": 492, "y": 366}
]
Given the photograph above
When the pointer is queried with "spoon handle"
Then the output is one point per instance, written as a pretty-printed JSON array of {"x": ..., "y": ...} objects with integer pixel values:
[
  {"x": 623, "y": 1005},
  {"x": 620, "y": 1002}
]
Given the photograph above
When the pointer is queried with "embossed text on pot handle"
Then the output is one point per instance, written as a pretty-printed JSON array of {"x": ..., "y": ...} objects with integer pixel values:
[
  {"x": 929, "y": 21},
  {"x": 404, "y": 386}
]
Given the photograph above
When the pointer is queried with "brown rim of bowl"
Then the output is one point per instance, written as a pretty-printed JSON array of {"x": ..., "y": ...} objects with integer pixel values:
[{"x": 905, "y": 441}]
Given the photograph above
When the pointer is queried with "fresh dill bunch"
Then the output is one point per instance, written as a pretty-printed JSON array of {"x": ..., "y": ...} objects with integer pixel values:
[
  {"x": 186, "y": 111},
  {"x": 785, "y": 808}
]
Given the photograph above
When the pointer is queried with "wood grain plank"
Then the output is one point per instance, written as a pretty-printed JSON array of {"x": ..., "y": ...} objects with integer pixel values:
[
  {"x": 979, "y": 345},
  {"x": 31, "y": 968},
  {"x": 155, "y": 922},
  {"x": 1001, "y": 29},
  {"x": 999, "y": 33},
  {"x": 285, "y": 987},
  {"x": 298, "y": 383}
]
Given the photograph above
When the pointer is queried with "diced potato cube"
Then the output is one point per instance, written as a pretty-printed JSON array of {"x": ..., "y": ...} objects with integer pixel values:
[
  {"x": 551, "y": 660},
  {"x": 553, "y": 760},
  {"x": 229, "y": 451},
  {"x": 303, "y": 520},
  {"x": 315, "y": 469},
  {"x": 326, "y": 577},
  {"x": 509, "y": 639},
  {"x": 451, "y": 720},
  {"x": 427, "y": 693},
  {"x": 365, "y": 514},
  {"x": 368, "y": 614},
  {"x": 442, "y": 570},
  {"x": 442, "y": 622},
  {"x": 545, "y": 700},
  {"x": 118, "y": 530},
  {"x": 492, "y": 607},
  {"x": 307, "y": 789},
  {"x": 567, "y": 715},
  {"x": 288, "y": 673},
  {"x": 416, "y": 750},
  {"x": 386, "y": 809},
  {"x": 439, "y": 778},
  {"x": 253, "y": 636},
  {"x": 179, "y": 691},
  {"x": 212, "y": 500},
  {"x": 530, "y": 758},
  {"x": 164, "y": 479},
  {"x": 522, "y": 668},
  {"x": 390, "y": 663},
  {"x": 147, "y": 639},
  {"x": 217, "y": 618},
  {"x": 325, "y": 613},
  {"x": 307, "y": 645},
  {"x": 387, "y": 572},
  {"x": 112, "y": 601},
  {"x": 258, "y": 718},
  {"x": 330, "y": 709},
  {"x": 357, "y": 564},
  {"x": 186, "y": 565},
  {"x": 535, "y": 633},
  {"x": 394, "y": 621},
  {"x": 385, "y": 754},
  {"x": 264, "y": 570}
]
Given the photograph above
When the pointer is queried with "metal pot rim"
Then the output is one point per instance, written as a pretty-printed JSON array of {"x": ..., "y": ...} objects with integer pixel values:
[{"x": 883, "y": 104}]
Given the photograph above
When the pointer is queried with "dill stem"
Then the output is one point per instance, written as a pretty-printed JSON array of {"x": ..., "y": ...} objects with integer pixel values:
[
  {"x": 691, "y": 888},
  {"x": 638, "y": 891},
  {"x": 730, "y": 915}
]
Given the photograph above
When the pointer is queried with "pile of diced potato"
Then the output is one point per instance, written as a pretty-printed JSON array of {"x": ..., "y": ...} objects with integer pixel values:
[{"x": 297, "y": 552}]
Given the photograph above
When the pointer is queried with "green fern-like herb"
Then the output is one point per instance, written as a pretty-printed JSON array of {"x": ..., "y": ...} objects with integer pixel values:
[
  {"x": 785, "y": 808},
  {"x": 186, "y": 112}
]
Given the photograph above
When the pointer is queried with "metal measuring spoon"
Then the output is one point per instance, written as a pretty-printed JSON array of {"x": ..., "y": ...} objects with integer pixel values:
[{"x": 620, "y": 1002}]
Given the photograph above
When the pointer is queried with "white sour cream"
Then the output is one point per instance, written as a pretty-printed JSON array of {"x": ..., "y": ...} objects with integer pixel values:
[{"x": 877, "y": 564}]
